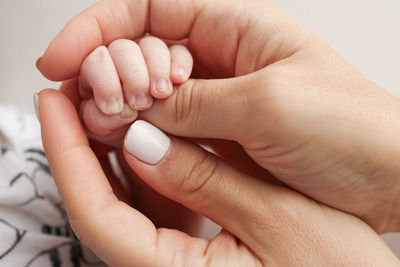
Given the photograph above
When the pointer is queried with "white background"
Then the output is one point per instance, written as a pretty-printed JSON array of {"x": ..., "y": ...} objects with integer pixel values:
[{"x": 365, "y": 32}]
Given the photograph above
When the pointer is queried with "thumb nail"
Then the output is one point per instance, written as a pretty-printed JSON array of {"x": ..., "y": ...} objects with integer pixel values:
[{"x": 146, "y": 142}]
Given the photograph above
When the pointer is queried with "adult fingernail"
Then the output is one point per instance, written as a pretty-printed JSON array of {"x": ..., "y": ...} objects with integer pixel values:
[
  {"x": 112, "y": 106},
  {"x": 146, "y": 142},
  {"x": 140, "y": 101},
  {"x": 128, "y": 113},
  {"x": 36, "y": 104}
]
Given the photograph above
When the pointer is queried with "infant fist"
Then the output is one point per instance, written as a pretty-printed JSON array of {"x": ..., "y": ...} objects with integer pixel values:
[{"x": 117, "y": 81}]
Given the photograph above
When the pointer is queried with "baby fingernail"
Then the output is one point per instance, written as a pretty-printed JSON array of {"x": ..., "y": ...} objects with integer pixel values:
[
  {"x": 128, "y": 113},
  {"x": 140, "y": 101},
  {"x": 146, "y": 142},
  {"x": 112, "y": 106},
  {"x": 36, "y": 104},
  {"x": 163, "y": 86},
  {"x": 180, "y": 72}
]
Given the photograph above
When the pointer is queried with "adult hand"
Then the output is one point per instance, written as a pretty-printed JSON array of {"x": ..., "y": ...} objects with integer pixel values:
[
  {"x": 297, "y": 108},
  {"x": 263, "y": 224}
]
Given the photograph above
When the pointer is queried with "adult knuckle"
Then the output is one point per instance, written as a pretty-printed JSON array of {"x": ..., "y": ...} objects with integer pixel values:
[
  {"x": 198, "y": 177},
  {"x": 279, "y": 220},
  {"x": 137, "y": 80},
  {"x": 78, "y": 228},
  {"x": 82, "y": 231},
  {"x": 186, "y": 108}
]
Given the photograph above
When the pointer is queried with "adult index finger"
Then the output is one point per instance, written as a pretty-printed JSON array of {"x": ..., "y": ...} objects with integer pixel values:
[
  {"x": 114, "y": 231},
  {"x": 109, "y": 20}
]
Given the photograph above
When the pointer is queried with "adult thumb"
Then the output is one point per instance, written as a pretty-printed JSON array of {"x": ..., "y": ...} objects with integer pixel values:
[
  {"x": 205, "y": 109},
  {"x": 196, "y": 178}
]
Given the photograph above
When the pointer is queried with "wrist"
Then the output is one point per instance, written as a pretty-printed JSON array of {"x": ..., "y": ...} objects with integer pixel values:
[
  {"x": 392, "y": 167},
  {"x": 382, "y": 169},
  {"x": 393, "y": 224}
]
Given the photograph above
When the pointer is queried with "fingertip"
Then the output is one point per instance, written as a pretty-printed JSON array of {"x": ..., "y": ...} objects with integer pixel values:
[
  {"x": 60, "y": 65},
  {"x": 181, "y": 64},
  {"x": 49, "y": 95},
  {"x": 70, "y": 88},
  {"x": 63, "y": 57},
  {"x": 179, "y": 75},
  {"x": 146, "y": 142},
  {"x": 53, "y": 100},
  {"x": 58, "y": 116},
  {"x": 158, "y": 61},
  {"x": 38, "y": 62}
]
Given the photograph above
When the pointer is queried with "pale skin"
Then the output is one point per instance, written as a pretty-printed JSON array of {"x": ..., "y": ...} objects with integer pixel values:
[
  {"x": 118, "y": 80},
  {"x": 124, "y": 70},
  {"x": 316, "y": 124}
]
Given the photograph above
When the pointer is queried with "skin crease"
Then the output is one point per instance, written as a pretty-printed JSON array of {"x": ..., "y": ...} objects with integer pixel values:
[
  {"x": 282, "y": 227},
  {"x": 124, "y": 70},
  {"x": 295, "y": 81},
  {"x": 134, "y": 75}
]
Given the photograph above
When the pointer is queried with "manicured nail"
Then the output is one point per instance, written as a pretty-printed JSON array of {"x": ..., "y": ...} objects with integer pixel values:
[
  {"x": 146, "y": 142},
  {"x": 140, "y": 101},
  {"x": 128, "y": 113},
  {"x": 112, "y": 106},
  {"x": 36, "y": 104}
]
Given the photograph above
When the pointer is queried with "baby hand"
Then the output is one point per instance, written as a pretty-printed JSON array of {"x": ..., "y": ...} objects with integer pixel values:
[{"x": 117, "y": 81}]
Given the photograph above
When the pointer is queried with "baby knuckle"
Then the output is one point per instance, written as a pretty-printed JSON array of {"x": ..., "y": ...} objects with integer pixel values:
[
  {"x": 138, "y": 79},
  {"x": 150, "y": 40},
  {"x": 120, "y": 46},
  {"x": 99, "y": 55}
]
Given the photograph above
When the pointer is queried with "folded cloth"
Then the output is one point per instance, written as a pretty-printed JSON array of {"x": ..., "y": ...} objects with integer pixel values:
[{"x": 34, "y": 229}]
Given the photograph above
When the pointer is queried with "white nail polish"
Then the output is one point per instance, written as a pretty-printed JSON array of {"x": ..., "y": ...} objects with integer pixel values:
[
  {"x": 36, "y": 104},
  {"x": 146, "y": 142}
]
